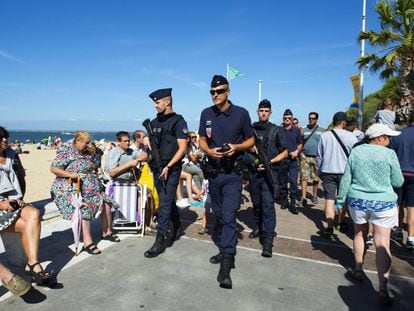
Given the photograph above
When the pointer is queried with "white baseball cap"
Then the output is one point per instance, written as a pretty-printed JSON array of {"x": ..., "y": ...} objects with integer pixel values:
[{"x": 379, "y": 129}]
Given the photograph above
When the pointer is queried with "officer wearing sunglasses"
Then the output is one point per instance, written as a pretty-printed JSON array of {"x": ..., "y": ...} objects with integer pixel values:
[{"x": 225, "y": 132}]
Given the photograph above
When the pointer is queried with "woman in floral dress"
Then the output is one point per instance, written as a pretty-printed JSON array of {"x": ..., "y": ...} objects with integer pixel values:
[{"x": 73, "y": 162}]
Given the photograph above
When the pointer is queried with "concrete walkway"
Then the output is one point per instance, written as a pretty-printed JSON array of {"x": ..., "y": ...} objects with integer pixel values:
[{"x": 305, "y": 273}]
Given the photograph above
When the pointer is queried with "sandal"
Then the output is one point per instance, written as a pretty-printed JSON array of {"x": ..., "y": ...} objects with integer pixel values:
[
  {"x": 91, "y": 249},
  {"x": 17, "y": 286},
  {"x": 356, "y": 275},
  {"x": 111, "y": 237},
  {"x": 384, "y": 298},
  {"x": 41, "y": 278}
]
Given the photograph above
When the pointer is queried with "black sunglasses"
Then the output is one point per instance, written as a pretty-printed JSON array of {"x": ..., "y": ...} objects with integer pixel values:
[
  {"x": 313, "y": 118},
  {"x": 192, "y": 137},
  {"x": 218, "y": 92}
]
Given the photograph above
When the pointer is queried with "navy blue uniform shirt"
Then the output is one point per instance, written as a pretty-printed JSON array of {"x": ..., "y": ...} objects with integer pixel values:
[
  {"x": 232, "y": 126},
  {"x": 293, "y": 138}
]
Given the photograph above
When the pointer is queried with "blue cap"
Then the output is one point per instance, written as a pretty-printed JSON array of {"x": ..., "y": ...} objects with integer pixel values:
[
  {"x": 265, "y": 103},
  {"x": 218, "y": 80},
  {"x": 288, "y": 112},
  {"x": 161, "y": 93}
]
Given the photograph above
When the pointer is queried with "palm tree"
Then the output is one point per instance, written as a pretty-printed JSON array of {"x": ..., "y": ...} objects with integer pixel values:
[{"x": 395, "y": 50}]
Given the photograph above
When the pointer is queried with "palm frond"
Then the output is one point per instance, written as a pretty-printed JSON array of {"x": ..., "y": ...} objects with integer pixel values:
[{"x": 387, "y": 73}]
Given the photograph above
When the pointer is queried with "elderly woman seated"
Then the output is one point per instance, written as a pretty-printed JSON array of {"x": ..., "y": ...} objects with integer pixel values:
[
  {"x": 75, "y": 163},
  {"x": 18, "y": 216}
]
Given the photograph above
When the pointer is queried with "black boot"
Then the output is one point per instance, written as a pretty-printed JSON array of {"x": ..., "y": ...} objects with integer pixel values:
[
  {"x": 223, "y": 276},
  {"x": 284, "y": 204},
  {"x": 267, "y": 247},
  {"x": 292, "y": 207},
  {"x": 174, "y": 233},
  {"x": 216, "y": 259},
  {"x": 158, "y": 247}
]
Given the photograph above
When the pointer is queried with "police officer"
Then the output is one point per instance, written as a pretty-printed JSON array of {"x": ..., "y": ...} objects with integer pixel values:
[
  {"x": 225, "y": 132},
  {"x": 289, "y": 167},
  {"x": 170, "y": 131},
  {"x": 271, "y": 139}
]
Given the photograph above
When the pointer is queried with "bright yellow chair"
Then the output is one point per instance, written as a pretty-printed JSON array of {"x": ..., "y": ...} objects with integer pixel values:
[{"x": 147, "y": 179}]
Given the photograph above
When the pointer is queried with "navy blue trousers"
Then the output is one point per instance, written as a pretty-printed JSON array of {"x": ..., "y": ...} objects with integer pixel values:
[
  {"x": 225, "y": 192},
  {"x": 289, "y": 173},
  {"x": 262, "y": 193},
  {"x": 167, "y": 209}
]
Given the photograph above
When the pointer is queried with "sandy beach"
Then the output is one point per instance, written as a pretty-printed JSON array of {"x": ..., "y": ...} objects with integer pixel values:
[{"x": 38, "y": 176}]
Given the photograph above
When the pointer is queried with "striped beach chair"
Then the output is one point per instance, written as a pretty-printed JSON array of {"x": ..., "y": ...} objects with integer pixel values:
[{"x": 130, "y": 214}]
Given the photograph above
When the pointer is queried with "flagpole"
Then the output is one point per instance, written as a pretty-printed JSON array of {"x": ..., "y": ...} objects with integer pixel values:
[
  {"x": 361, "y": 71},
  {"x": 260, "y": 90},
  {"x": 228, "y": 72}
]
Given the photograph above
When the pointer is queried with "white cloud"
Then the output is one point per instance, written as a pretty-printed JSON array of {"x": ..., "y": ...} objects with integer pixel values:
[{"x": 11, "y": 57}]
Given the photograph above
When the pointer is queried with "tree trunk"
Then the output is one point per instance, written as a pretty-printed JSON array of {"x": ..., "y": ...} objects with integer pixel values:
[{"x": 405, "y": 90}]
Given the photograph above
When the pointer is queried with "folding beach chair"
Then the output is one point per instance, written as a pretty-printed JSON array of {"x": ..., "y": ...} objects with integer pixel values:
[{"x": 132, "y": 200}]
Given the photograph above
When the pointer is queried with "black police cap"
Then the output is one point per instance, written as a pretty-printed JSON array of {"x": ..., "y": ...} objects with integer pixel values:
[
  {"x": 265, "y": 103},
  {"x": 161, "y": 93},
  {"x": 218, "y": 80},
  {"x": 288, "y": 112}
]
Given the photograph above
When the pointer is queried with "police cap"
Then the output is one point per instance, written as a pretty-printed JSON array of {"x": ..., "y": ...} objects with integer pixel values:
[
  {"x": 265, "y": 103},
  {"x": 161, "y": 93},
  {"x": 218, "y": 80},
  {"x": 288, "y": 112}
]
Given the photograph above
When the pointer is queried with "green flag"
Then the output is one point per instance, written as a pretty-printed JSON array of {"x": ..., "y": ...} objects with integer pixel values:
[{"x": 233, "y": 73}]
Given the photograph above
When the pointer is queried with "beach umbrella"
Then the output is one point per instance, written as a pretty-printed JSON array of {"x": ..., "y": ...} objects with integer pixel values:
[{"x": 77, "y": 215}]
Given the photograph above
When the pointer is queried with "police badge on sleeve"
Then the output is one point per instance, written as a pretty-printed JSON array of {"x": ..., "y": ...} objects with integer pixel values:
[{"x": 208, "y": 128}]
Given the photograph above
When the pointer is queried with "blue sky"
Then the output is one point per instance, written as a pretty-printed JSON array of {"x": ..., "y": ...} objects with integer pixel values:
[{"x": 91, "y": 64}]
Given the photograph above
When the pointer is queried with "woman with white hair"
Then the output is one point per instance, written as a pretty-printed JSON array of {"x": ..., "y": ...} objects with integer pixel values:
[{"x": 367, "y": 185}]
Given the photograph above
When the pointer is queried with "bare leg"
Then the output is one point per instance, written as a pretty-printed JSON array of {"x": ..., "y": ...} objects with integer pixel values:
[
  {"x": 361, "y": 231},
  {"x": 105, "y": 219},
  {"x": 304, "y": 186},
  {"x": 342, "y": 214},
  {"x": 383, "y": 255},
  {"x": 410, "y": 220},
  {"x": 199, "y": 192},
  {"x": 315, "y": 187},
  {"x": 188, "y": 185},
  {"x": 204, "y": 220},
  {"x": 28, "y": 224},
  {"x": 330, "y": 212},
  {"x": 5, "y": 274},
  {"x": 179, "y": 192}
]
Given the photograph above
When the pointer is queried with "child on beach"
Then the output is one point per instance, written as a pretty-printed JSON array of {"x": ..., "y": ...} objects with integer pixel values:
[{"x": 386, "y": 113}]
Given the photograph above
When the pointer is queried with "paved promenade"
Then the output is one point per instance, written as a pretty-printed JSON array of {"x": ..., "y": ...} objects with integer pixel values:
[{"x": 305, "y": 273}]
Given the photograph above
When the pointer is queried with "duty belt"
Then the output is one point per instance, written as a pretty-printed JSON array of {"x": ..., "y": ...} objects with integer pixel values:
[{"x": 225, "y": 169}]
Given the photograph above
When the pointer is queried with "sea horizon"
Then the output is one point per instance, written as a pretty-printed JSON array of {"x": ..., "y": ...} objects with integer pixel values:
[{"x": 36, "y": 136}]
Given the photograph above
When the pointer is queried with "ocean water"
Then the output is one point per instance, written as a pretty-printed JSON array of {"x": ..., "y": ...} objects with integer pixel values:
[{"x": 37, "y": 136}]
